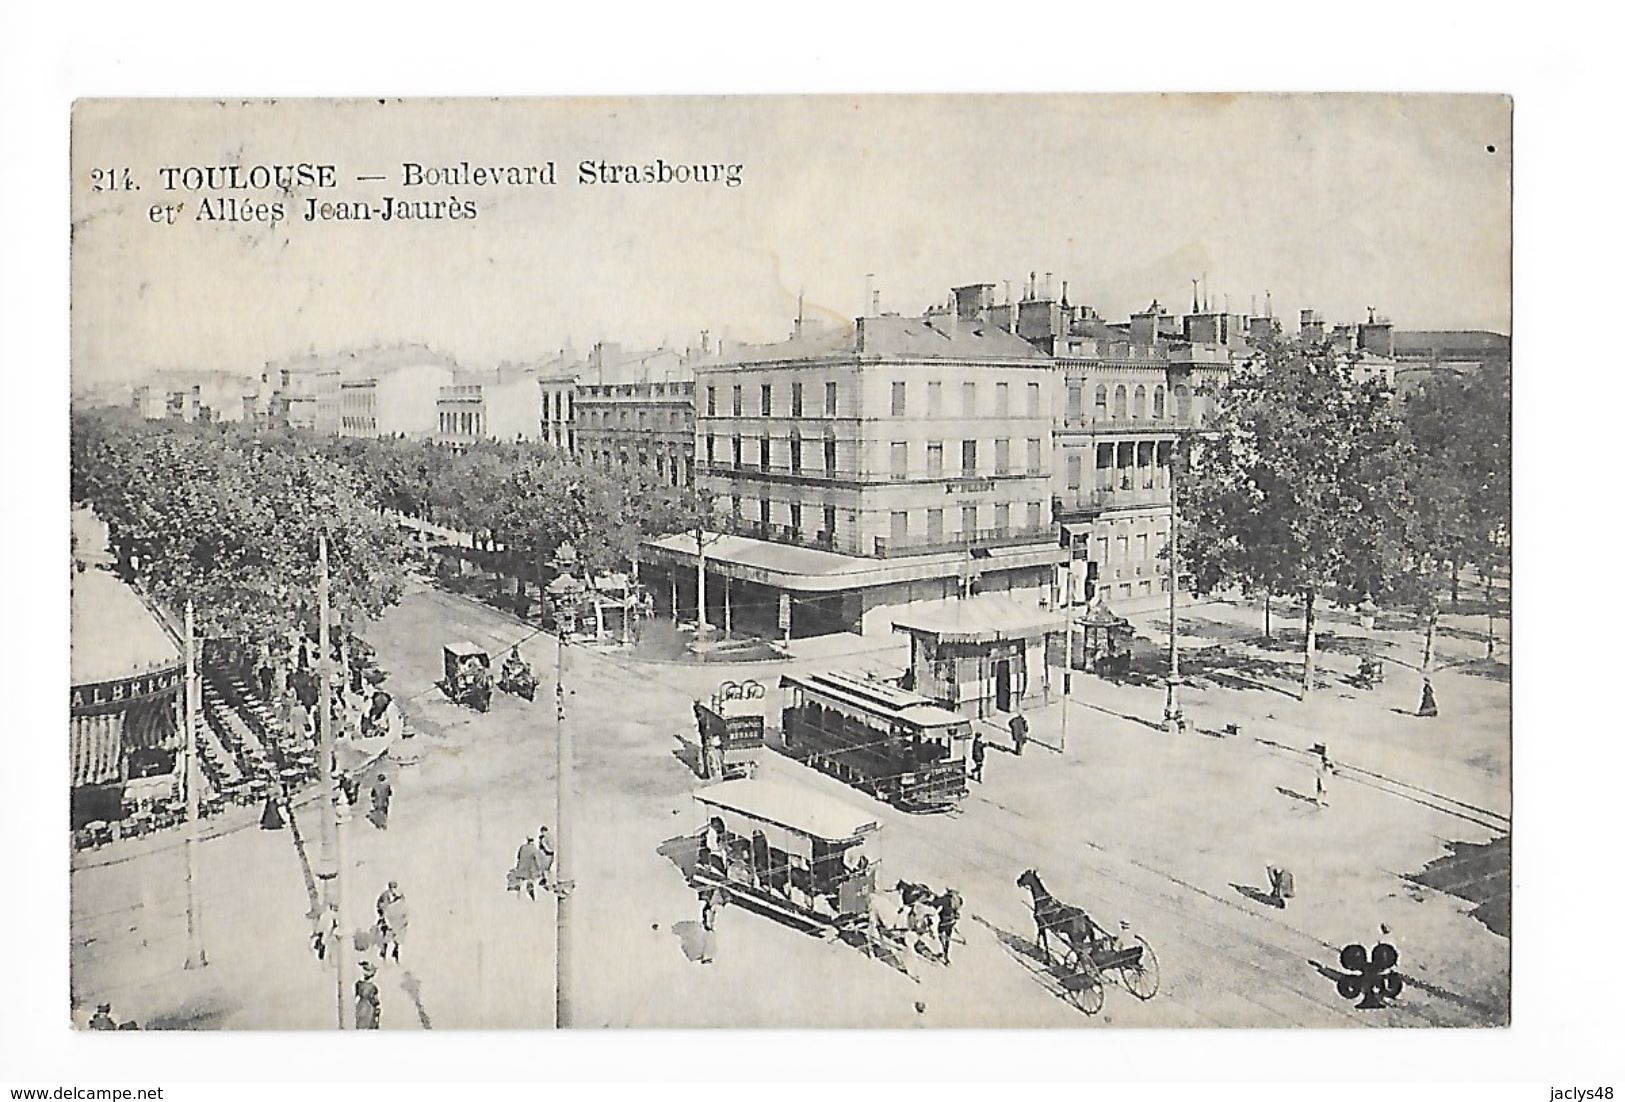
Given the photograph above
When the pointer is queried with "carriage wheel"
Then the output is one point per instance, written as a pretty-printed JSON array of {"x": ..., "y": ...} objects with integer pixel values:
[
  {"x": 1086, "y": 988},
  {"x": 1143, "y": 979}
]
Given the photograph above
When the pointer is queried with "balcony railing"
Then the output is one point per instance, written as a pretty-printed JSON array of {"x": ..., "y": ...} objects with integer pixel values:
[
  {"x": 887, "y": 547},
  {"x": 1106, "y": 499},
  {"x": 779, "y": 533}
]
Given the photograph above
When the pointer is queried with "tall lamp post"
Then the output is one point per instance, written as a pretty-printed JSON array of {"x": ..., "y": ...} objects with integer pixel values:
[
  {"x": 196, "y": 957},
  {"x": 1066, "y": 671},
  {"x": 1173, "y": 719},
  {"x": 563, "y": 1008}
]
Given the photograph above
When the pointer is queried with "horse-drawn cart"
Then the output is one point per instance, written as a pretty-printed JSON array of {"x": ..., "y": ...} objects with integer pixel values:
[
  {"x": 1091, "y": 952},
  {"x": 468, "y": 676}
]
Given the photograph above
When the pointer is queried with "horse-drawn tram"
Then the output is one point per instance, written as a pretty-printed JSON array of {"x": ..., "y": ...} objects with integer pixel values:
[
  {"x": 792, "y": 852},
  {"x": 894, "y": 743}
]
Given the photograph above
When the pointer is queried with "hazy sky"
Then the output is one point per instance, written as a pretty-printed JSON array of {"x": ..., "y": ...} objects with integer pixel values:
[{"x": 1336, "y": 202}]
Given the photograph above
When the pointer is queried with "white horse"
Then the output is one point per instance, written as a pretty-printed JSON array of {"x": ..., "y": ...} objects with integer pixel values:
[{"x": 892, "y": 924}]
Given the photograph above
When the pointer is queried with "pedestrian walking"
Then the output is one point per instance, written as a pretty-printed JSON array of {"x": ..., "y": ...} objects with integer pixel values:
[
  {"x": 1282, "y": 887},
  {"x": 948, "y": 906},
  {"x": 391, "y": 922},
  {"x": 544, "y": 843},
  {"x": 271, "y": 817},
  {"x": 1018, "y": 732},
  {"x": 380, "y": 794},
  {"x": 367, "y": 1011},
  {"x": 1429, "y": 706},
  {"x": 713, "y": 901},
  {"x": 978, "y": 755},
  {"x": 527, "y": 868},
  {"x": 324, "y": 932},
  {"x": 1323, "y": 772}
]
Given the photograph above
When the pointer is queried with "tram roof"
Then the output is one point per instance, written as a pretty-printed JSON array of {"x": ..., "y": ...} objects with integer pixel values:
[
  {"x": 874, "y": 697},
  {"x": 803, "y": 810}
]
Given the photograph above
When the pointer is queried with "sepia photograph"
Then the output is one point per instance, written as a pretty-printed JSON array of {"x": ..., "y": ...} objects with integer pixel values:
[{"x": 811, "y": 561}]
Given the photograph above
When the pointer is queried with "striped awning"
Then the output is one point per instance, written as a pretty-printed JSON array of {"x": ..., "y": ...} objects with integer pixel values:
[
  {"x": 152, "y": 724},
  {"x": 94, "y": 748}
]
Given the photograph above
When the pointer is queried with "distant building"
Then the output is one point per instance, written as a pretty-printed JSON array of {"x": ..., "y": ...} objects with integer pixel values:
[
  {"x": 636, "y": 409},
  {"x": 500, "y": 405},
  {"x": 394, "y": 401},
  {"x": 855, "y": 472},
  {"x": 150, "y": 402}
]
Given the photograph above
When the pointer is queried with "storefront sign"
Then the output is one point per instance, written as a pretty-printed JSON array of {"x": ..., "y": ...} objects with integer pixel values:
[{"x": 111, "y": 696}]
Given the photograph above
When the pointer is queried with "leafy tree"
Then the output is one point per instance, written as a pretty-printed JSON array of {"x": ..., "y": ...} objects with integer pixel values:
[{"x": 1301, "y": 487}]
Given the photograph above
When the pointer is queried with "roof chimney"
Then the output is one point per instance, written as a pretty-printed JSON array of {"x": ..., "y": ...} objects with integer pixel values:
[
  {"x": 1049, "y": 283},
  {"x": 1063, "y": 293}
]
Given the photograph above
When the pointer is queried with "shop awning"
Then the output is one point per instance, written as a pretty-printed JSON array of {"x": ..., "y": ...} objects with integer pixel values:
[{"x": 94, "y": 749}]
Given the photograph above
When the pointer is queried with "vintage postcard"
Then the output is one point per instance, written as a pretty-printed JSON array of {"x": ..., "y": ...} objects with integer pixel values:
[{"x": 803, "y": 561}]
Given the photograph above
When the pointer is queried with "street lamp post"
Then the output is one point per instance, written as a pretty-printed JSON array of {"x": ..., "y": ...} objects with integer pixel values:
[
  {"x": 1066, "y": 671},
  {"x": 196, "y": 957},
  {"x": 563, "y": 1008},
  {"x": 1173, "y": 719},
  {"x": 332, "y": 887}
]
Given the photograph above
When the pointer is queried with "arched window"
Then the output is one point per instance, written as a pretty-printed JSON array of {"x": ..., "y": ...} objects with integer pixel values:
[
  {"x": 1139, "y": 403},
  {"x": 1159, "y": 404},
  {"x": 1182, "y": 403},
  {"x": 1120, "y": 403},
  {"x": 1100, "y": 403}
]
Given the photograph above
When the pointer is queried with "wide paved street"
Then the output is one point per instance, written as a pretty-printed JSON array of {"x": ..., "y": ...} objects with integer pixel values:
[{"x": 1170, "y": 833}]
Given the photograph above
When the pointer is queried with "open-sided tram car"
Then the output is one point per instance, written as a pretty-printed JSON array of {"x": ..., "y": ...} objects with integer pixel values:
[
  {"x": 892, "y": 742},
  {"x": 792, "y": 852}
]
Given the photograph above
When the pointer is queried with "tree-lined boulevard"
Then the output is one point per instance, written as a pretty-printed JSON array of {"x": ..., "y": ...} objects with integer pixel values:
[{"x": 1324, "y": 525}]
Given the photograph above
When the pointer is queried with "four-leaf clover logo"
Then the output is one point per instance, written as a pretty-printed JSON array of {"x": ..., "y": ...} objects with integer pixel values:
[{"x": 1370, "y": 979}]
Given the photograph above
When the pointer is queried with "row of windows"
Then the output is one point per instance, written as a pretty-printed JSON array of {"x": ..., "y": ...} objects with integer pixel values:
[
  {"x": 797, "y": 406},
  {"x": 1122, "y": 406},
  {"x": 560, "y": 404},
  {"x": 901, "y": 406},
  {"x": 641, "y": 418},
  {"x": 1138, "y": 547},
  {"x": 1127, "y": 466},
  {"x": 673, "y": 468},
  {"x": 462, "y": 423},
  {"x": 360, "y": 424},
  {"x": 901, "y": 459},
  {"x": 929, "y": 523}
]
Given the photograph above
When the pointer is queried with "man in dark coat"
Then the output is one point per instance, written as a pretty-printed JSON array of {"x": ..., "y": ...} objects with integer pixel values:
[
  {"x": 978, "y": 755},
  {"x": 380, "y": 793},
  {"x": 1018, "y": 731},
  {"x": 527, "y": 868}
]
